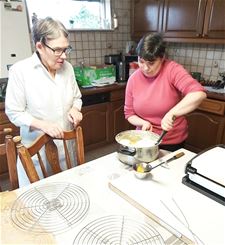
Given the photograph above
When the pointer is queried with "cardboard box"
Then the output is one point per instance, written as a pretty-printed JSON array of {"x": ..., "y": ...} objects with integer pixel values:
[{"x": 87, "y": 75}]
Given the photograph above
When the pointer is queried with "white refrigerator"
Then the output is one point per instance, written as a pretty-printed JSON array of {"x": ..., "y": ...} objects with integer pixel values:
[{"x": 15, "y": 41}]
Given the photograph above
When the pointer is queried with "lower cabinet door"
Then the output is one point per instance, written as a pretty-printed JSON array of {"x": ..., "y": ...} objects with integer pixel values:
[
  {"x": 95, "y": 125},
  {"x": 118, "y": 123},
  {"x": 205, "y": 130}
]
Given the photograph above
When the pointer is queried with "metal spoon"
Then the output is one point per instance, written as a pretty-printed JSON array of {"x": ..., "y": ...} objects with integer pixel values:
[{"x": 150, "y": 168}]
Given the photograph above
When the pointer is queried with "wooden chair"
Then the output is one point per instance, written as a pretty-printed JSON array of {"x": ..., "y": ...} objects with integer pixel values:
[
  {"x": 8, "y": 149},
  {"x": 51, "y": 151}
]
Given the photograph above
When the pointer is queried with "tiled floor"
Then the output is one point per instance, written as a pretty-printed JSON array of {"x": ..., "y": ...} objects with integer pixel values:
[{"x": 90, "y": 155}]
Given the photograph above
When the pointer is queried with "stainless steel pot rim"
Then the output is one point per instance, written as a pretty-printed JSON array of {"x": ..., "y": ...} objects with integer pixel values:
[{"x": 134, "y": 136}]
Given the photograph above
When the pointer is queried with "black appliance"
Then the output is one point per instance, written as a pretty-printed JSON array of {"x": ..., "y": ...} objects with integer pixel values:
[
  {"x": 116, "y": 59},
  {"x": 205, "y": 173}
]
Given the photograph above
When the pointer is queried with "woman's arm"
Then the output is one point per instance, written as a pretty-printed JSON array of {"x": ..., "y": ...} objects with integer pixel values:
[{"x": 188, "y": 104}]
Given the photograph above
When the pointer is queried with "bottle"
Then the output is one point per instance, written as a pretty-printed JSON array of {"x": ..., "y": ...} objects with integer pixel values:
[{"x": 121, "y": 72}]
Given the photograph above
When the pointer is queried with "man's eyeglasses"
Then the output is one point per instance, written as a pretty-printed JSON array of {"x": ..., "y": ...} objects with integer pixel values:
[{"x": 59, "y": 51}]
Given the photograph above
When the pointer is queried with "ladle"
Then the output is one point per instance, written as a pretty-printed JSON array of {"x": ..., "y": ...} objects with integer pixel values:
[
  {"x": 150, "y": 168},
  {"x": 163, "y": 133},
  {"x": 160, "y": 137}
]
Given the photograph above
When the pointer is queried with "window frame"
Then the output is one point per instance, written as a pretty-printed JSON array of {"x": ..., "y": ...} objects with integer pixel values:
[{"x": 106, "y": 12}]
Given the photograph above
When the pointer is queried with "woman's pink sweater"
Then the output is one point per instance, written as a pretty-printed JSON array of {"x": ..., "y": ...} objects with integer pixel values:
[{"x": 152, "y": 97}]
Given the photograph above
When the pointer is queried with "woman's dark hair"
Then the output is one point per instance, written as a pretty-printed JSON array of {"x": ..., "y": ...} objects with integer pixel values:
[{"x": 151, "y": 47}]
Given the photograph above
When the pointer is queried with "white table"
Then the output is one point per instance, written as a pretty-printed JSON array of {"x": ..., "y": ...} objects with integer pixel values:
[
  {"x": 94, "y": 177},
  {"x": 174, "y": 205}
]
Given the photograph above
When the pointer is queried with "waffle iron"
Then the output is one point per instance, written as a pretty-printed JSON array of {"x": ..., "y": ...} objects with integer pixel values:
[{"x": 205, "y": 173}]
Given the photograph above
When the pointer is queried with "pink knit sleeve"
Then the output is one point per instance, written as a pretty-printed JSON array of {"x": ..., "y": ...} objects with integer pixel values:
[
  {"x": 128, "y": 107},
  {"x": 183, "y": 81}
]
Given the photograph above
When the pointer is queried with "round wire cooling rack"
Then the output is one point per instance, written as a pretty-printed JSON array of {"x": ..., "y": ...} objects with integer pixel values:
[
  {"x": 118, "y": 230},
  {"x": 54, "y": 207}
]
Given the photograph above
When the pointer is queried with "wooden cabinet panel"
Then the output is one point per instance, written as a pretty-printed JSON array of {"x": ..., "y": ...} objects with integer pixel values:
[
  {"x": 182, "y": 18},
  {"x": 214, "y": 106},
  {"x": 214, "y": 25},
  {"x": 146, "y": 16},
  {"x": 118, "y": 123},
  {"x": 101, "y": 122},
  {"x": 117, "y": 95},
  {"x": 223, "y": 138},
  {"x": 205, "y": 130},
  {"x": 201, "y": 21},
  {"x": 95, "y": 125}
]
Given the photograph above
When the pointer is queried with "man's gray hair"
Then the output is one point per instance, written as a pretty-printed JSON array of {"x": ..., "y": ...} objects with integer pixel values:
[{"x": 48, "y": 29}]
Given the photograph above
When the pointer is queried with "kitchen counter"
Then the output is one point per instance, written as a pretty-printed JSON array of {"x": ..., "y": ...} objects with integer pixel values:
[
  {"x": 108, "y": 88},
  {"x": 216, "y": 96},
  {"x": 118, "y": 86},
  {"x": 92, "y": 180}
]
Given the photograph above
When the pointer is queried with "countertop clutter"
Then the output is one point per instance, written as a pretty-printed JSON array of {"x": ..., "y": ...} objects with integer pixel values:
[{"x": 85, "y": 205}]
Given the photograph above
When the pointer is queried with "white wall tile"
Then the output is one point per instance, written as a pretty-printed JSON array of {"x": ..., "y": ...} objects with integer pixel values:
[{"x": 92, "y": 46}]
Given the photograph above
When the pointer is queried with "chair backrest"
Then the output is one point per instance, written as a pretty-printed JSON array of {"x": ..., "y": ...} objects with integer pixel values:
[
  {"x": 51, "y": 152},
  {"x": 8, "y": 149}
]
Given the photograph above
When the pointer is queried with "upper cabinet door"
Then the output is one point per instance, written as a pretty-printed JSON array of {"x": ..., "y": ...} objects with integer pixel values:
[
  {"x": 214, "y": 25},
  {"x": 146, "y": 16},
  {"x": 183, "y": 18}
]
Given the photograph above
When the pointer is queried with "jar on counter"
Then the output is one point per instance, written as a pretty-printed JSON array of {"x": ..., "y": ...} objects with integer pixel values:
[{"x": 133, "y": 66}]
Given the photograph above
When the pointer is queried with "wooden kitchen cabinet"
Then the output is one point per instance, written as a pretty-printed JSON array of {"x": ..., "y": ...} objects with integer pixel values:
[
  {"x": 206, "y": 126},
  {"x": 103, "y": 121},
  {"x": 5, "y": 123},
  {"x": 201, "y": 21},
  {"x": 182, "y": 18},
  {"x": 223, "y": 138},
  {"x": 214, "y": 22},
  {"x": 95, "y": 125},
  {"x": 146, "y": 16},
  {"x": 118, "y": 123},
  {"x": 194, "y": 19}
]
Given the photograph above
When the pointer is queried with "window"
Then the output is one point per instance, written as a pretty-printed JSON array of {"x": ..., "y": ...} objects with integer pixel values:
[{"x": 74, "y": 14}]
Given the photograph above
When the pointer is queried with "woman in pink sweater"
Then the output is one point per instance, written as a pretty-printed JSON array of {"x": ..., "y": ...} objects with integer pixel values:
[{"x": 159, "y": 92}]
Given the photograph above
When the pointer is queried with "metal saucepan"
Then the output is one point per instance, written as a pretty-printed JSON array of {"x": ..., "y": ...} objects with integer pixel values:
[{"x": 137, "y": 146}]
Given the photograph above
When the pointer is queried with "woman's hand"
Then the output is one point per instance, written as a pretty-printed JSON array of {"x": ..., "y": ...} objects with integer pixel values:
[
  {"x": 140, "y": 123},
  {"x": 167, "y": 122},
  {"x": 52, "y": 129},
  {"x": 146, "y": 126},
  {"x": 75, "y": 116}
]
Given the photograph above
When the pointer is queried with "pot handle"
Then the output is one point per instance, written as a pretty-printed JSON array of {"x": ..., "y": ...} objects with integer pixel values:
[{"x": 127, "y": 151}]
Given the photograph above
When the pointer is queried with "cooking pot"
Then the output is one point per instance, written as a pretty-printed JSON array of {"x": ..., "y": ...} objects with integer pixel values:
[{"x": 137, "y": 146}]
